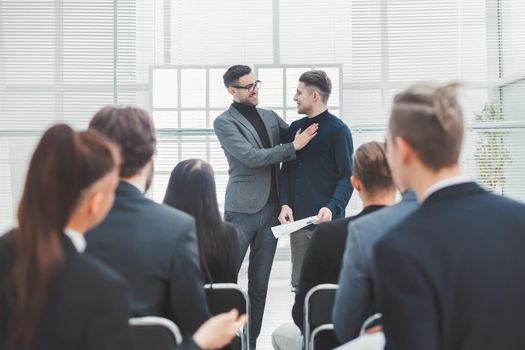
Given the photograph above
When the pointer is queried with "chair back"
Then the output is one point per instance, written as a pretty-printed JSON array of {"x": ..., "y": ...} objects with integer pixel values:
[
  {"x": 370, "y": 322},
  {"x": 324, "y": 338},
  {"x": 222, "y": 297},
  {"x": 318, "y": 328},
  {"x": 155, "y": 333}
]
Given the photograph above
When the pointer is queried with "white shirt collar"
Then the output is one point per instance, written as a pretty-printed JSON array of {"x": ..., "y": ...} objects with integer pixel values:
[
  {"x": 76, "y": 238},
  {"x": 456, "y": 180}
]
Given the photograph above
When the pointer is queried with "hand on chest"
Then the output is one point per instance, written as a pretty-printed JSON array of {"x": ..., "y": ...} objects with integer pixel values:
[{"x": 320, "y": 145}]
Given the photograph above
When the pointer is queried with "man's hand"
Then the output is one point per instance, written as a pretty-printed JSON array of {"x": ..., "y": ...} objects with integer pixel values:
[
  {"x": 324, "y": 215},
  {"x": 302, "y": 138},
  {"x": 286, "y": 215},
  {"x": 219, "y": 330}
]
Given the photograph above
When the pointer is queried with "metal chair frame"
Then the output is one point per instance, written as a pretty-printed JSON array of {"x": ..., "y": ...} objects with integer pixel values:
[
  {"x": 308, "y": 334},
  {"x": 368, "y": 321},
  {"x": 158, "y": 321}
]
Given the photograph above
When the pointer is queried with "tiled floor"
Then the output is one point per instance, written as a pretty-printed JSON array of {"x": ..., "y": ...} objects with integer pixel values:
[{"x": 280, "y": 298}]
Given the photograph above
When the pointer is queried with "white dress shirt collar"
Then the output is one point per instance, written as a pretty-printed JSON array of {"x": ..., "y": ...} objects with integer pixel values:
[
  {"x": 456, "y": 180},
  {"x": 76, "y": 238}
]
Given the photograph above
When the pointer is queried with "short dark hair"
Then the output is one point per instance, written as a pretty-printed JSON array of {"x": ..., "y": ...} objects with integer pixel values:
[
  {"x": 232, "y": 75},
  {"x": 132, "y": 129},
  {"x": 319, "y": 80},
  {"x": 371, "y": 167},
  {"x": 430, "y": 120}
]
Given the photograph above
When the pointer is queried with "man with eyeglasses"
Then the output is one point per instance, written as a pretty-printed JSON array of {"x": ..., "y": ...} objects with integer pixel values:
[{"x": 253, "y": 141}]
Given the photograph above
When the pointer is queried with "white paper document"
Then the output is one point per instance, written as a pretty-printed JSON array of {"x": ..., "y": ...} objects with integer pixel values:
[
  {"x": 285, "y": 229},
  {"x": 374, "y": 341}
]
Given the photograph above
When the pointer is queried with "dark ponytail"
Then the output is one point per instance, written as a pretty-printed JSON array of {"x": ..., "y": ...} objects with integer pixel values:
[{"x": 63, "y": 165}]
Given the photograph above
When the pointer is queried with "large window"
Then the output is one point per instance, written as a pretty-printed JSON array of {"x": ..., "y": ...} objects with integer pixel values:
[
  {"x": 61, "y": 60},
  {"x": 186, "y": 99}
]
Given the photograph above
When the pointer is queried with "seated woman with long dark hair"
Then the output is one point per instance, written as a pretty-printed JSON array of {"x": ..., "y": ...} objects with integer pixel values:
[
  {"x": 191, "y": 188},
  {"x": 52, "y": 296}
]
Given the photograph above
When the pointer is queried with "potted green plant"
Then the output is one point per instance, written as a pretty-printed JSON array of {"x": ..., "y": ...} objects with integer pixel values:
[{"x": 492, "y": 154}]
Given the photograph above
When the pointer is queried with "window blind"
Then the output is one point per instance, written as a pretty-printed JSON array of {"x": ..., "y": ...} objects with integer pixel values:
[{"x": 61, "y": 60}]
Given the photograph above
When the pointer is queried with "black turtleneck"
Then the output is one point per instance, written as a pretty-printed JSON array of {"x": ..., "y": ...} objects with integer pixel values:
[{"x": 251, "y": 114}]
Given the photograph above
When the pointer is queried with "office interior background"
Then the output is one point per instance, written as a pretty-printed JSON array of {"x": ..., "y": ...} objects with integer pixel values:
[{"x": 61, "y": 60}]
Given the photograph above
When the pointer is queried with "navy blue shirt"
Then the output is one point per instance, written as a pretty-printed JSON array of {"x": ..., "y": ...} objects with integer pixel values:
[{"x": 320, "y": 174}]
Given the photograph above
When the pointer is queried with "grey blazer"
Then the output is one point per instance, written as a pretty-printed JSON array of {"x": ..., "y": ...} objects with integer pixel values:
[
  {"x": 249, "y": 163},
  {"x": 355, "y": 297}
]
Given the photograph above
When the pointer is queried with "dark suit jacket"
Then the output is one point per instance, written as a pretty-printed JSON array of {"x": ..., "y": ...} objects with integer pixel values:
[
  {"x": 452, "y": 274},
  {"x": 323, "y": 259},
  {"x": 154, "y": 248},
  {"x": 87, "y": 306}
]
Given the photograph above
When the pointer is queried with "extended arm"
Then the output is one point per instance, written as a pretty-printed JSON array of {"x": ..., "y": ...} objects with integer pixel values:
[{"x": 233, "y": 141}]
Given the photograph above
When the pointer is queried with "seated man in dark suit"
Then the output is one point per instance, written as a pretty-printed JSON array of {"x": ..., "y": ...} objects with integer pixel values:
[
  {"x": 452, "y": 274},
  {"x": 322, "y": 263},
  {"x": 151, "y": 245}
]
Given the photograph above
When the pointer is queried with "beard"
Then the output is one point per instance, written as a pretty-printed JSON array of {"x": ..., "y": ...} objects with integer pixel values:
[
  {"x": 302, "y": 110},
  {"x": 250, "y": 101}
]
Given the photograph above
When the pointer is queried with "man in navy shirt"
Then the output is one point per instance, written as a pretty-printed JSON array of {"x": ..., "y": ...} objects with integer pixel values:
[{"x": 317, "y": 181}]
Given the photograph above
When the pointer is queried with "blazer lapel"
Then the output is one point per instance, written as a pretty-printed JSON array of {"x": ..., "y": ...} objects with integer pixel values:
[
  {"x": 267, "y": 123},
  {"x": 240, "y": 118}
]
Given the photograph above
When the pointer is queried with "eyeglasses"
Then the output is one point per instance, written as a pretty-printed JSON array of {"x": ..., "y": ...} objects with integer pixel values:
[{"x": 250, "y": 87}]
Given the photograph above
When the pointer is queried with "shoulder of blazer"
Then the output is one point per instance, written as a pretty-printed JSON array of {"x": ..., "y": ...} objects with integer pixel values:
[
  {"x": 169, "y": 218},
  {"x": 225, "y": 114},
  {"x": 268, "y": 112},
  {"x": 149, "y": 207},
  {"x": 269, "y": 115},
  {"x": 172, "y": 214},
  {"x": 225, "y": 120},
  {"x": 176, "y": 225},
  {"x": 94, "y": 272},
  {"x": 167, "y": 222},
  {"x": 383, "y": 219}
]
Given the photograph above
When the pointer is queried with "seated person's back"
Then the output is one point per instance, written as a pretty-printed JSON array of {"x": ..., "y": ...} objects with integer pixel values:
[
  {"x": 148, "y": 243},
  {"x": 53, "y": 296},
  {"x": 151, "y": 245},
  {"x": 452, "y": 274},
  {"x": 192, "y": 189},
  {"x": 87, "y": 298}
]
